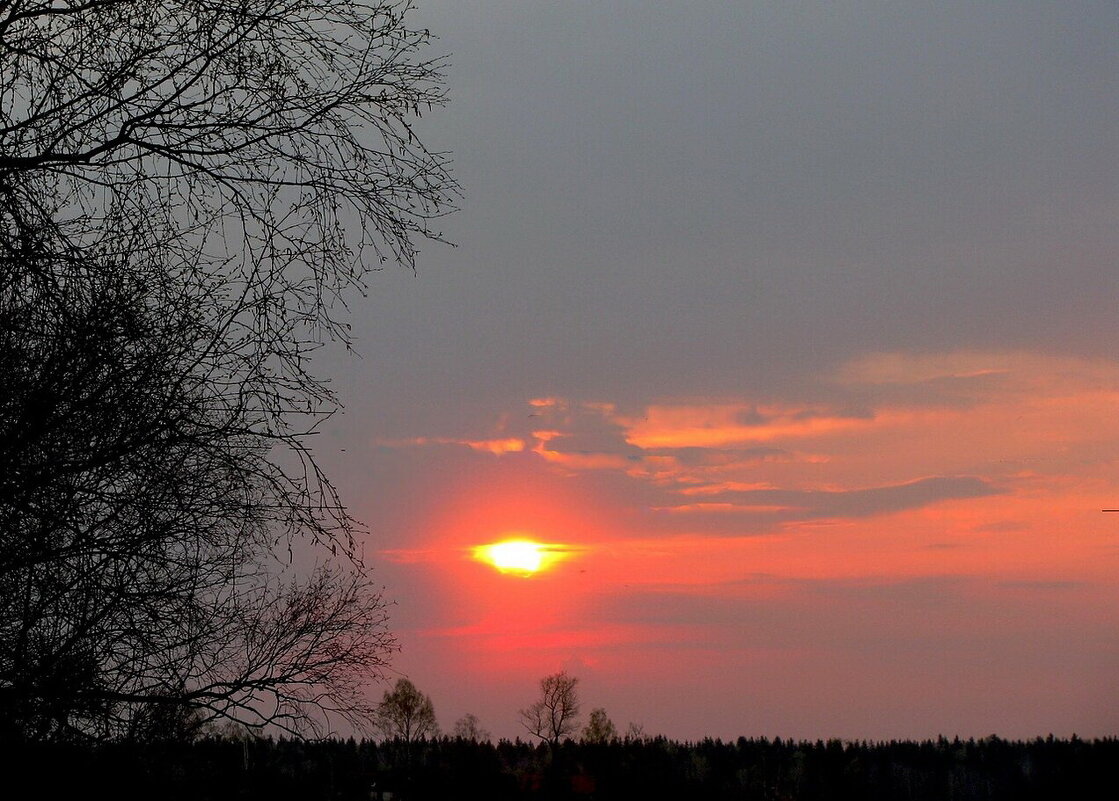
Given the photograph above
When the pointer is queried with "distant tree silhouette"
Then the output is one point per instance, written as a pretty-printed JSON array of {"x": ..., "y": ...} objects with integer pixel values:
[
  {"x": 188, "y": 191},
  {"x": 468, "y": 727},
  {"x": 635, "y": 732},
  {"x": 553, "y": 716},
  {"x": 407, "y": 714},
  {"x": 599, "y": 729}
]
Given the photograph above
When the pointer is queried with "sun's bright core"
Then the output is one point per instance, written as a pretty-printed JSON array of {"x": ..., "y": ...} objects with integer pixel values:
[{"x": 513, "y": 556}]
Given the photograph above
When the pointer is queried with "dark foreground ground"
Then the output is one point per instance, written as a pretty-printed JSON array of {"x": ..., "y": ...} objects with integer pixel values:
[{"x": 656, "y": 768}]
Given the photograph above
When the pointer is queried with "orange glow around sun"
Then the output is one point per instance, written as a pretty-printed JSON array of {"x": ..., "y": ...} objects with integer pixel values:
[{"x": 519, "y": 556}]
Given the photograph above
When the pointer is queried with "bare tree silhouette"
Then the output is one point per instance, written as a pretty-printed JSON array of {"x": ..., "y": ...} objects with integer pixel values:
[
  {"x": 139, "y": 519},
  {"x": 187, "y": 191},
  {"x": 553, "y": 716}
]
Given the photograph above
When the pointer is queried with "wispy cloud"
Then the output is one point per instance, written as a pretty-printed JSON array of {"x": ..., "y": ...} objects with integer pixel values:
[
  {"x": 881, "y": 435},
  {"x": 496, "y": 446},
  {"x": 808, "y": 504},
  {"x": 720, "y": 425}
]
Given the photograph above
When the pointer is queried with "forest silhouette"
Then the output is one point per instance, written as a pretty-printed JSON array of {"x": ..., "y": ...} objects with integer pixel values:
[{"x": 633, "y": 768}]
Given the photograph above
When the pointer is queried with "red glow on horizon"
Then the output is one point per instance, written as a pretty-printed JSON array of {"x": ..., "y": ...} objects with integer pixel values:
[{"x": 953, "y": 523}]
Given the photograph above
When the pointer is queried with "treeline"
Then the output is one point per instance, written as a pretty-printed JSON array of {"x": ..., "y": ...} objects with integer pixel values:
[{"x": 645, "y": 768}]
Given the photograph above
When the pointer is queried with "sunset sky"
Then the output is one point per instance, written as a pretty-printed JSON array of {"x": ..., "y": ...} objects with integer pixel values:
[{"x": 791, "y": 327}]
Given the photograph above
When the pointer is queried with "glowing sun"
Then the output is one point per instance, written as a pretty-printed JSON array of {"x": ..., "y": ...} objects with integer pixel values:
[{"x": 517, "y": 556}]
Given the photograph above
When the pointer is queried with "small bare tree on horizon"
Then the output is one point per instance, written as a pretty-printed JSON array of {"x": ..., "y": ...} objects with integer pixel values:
[
  {"x": 469, "y": 727},
  {"x": 553, "y": 716}
]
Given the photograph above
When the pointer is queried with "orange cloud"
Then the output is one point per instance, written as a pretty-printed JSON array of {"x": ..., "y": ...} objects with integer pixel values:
[
  {"x": 723, "y": 507},
  {"x": 721, "y": 425},
  {"x": 726, "y": 486},
  {"x": 494, "y": 446}
]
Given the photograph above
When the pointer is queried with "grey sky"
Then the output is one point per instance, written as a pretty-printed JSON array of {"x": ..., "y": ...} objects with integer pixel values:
[
  {"x": 673, "y": 200},
  {"x": 666, "y": 194}
]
